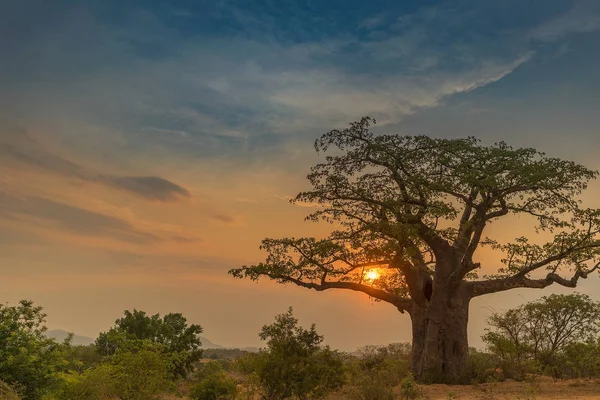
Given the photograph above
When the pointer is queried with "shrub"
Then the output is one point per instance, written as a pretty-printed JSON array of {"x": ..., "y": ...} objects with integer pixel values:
[
  {"x": 484, "y": 367},
  {"x": 141, "y": 375},
  {"x": 580, "y": 360},
  {"x": 7, "y": 392},
  {"x": 408, "y": 387},
  {"x": 81, "y": 358},
  {"x": 216, "y": 387},
  {"x": 214, "y": 383},
  {"x": 248, "y": 366},
  {"x": 377, "y": 370},
  {"x": 371, "y": 387},
  {"x": 29, "y": 361},
  {"x": 97, "y": 383}
]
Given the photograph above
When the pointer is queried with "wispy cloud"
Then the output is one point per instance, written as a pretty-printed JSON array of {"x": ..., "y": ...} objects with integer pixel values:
[
  {"x": 19, "y": 146},
  {"x": 72, "y": 219}
]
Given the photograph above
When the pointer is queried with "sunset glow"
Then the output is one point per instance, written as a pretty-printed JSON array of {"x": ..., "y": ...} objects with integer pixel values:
[
  {"x": 147, "y": 148},
  {"x": 372, "y": 275}
]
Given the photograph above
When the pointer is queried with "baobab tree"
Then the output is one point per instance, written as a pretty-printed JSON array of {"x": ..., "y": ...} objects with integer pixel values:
[{"x": 409, "y": 214}]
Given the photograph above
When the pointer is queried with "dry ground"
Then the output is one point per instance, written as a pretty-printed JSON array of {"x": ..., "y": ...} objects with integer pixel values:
[{"x": 539, "y": 389}]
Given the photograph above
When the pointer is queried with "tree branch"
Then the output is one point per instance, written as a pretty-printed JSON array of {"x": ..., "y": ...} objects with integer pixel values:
[
  {"x": 402, "y": 303},
  {"x": 479, "y": 288}
]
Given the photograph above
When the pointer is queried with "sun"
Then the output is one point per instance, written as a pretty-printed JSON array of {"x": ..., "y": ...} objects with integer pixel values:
[{"x": 372, "y": 275}]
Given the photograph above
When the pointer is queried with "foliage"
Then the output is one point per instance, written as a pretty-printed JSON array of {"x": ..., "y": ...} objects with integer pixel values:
[
  {"x": 294, "y": 363},
  {"x": 214, "y": 384},
  {"x": 29, "y": 360},
  {"x": 408, "y": 387},
  {"x": 248, "y": 365},
  {"x": 97, "y": 383},
  {"x": 81, "y": 357},
  {"x": 140, "y": 375},
  {"x": 223, "y": 354},
  {"x": 215, "y": 388},
  {"x": 7, "y": 392},
  {"x": 171, "y": 331},
  {"x": 376, "y": 370},
  {"x": 580, "y": 360},
  {"x": 537, "y": 336},
  {"x": 484, "y": 366}
]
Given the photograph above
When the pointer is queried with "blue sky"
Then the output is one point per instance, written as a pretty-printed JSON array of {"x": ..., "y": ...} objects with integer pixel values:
[{"x": 177, "y": 129}]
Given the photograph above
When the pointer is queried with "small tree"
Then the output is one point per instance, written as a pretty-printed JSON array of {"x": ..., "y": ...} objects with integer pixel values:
[
  {"x": 29, "y": 360},
  {"x": 294, "y": 363},
  {"x": 409, "y": 388},
  {"x": 172, "y": 332},
  {"x": 540, "y": 331},
  {"x": 376, "y": 370}
]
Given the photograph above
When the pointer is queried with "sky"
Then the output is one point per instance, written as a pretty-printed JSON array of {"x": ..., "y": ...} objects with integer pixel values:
[{"x": 147, "y": 147}]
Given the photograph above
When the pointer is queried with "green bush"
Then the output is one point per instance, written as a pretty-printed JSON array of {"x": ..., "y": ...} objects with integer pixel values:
[
  {"x": 377, "y": 370},
  {"x": 247, "y": 365},
  {"x": 214, "y": 383},
  {"x": 142, "y": 375},
  {"x": 408, "y": 387},
  {"x": 209, "y": 369},
  {"x": 294, "y": 364},
  {"x": 29, "y": 361},
  {"x": 484, "y": 367},
  {"x": 579, "y": 360},
  {"x": 97, "y": 383},
  {"x": 81, "y": 358},
  {"x": 216, "y": 387},
  {"x": 374, "y": 386}
]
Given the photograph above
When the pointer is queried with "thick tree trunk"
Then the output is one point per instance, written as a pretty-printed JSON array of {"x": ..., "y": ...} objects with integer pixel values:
[{"x": 440, "y": 343}]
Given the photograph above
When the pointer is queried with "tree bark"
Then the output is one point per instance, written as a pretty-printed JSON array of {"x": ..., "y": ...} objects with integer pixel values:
[{"x": 440, "y": 343}]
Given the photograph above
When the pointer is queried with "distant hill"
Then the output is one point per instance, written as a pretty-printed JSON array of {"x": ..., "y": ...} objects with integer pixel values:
[
  {"x": 61, "y": 335},
  {"x": 207, "y": 344}
]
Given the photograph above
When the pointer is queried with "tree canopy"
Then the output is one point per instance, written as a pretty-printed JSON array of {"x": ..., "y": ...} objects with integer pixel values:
[
  {"x": 172, "y": 332},
  {"x": 29, "y": 360},
  {"x": 417, "y": 208},
  {"x": 547, "y": 335}
]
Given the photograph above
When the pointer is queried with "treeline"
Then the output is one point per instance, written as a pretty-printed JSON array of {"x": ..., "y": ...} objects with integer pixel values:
[
  {"x": 147, "y": 356},
  {"x": 139, "y": 357}
]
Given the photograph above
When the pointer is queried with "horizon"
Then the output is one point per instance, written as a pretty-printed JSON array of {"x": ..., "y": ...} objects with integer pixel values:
[{"x": 148, "y": 149}]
